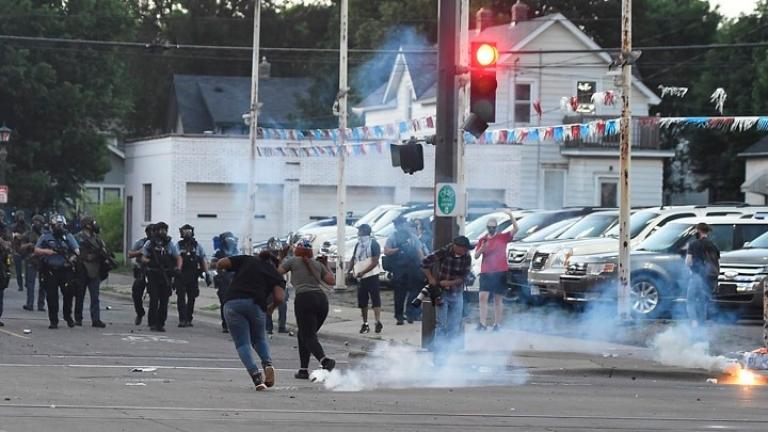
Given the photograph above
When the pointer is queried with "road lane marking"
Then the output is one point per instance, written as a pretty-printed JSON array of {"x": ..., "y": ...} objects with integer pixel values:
[
  {"x": 380, "y": 413},
  {"x": 128, "y": 368},
  {"x": 13, "y": 334}
]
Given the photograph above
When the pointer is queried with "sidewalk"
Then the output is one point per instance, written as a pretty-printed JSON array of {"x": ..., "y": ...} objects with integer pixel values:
[{"x": 532, "y": 351}]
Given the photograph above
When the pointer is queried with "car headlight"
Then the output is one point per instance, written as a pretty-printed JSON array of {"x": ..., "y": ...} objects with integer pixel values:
[
  {"x": 561, "y": 258},
  {"x": 600, "y": 268}
]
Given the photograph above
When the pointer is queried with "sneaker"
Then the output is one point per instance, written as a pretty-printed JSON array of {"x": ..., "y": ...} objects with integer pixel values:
[
  {"x": 258, "y": 382},
  {"x": 496, "y": 328},
  {"x": 481, "y": 327},
  {"x": 379, "y": 326},
  {"x": 53, "y": 326},
  {"x": 70, "y": 323},
  {"x": 302, "y": 374},
  {"x": 328, "y": 364},
  {"x": 269, "y": 376},
  {"x": 400, "y": 322},
  {"x": 365, "y": 329},
  {"x": 28, "y": 308},
  {"x": 410, "y": 321},
  {"x": 137, "y": 321},
  {"x": 98, "y": 324}
]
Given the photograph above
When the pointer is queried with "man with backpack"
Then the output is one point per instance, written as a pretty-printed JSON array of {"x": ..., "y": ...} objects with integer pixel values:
[
  {"x": 94, "y": 266},
  {"x": 403, "y": 254},
  {"x": 703, "y": 259},
  {"x": 363, "y": 267}
]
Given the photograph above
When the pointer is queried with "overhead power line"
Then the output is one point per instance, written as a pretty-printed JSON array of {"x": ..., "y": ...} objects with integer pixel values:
[{"x": 170, "y": 46}]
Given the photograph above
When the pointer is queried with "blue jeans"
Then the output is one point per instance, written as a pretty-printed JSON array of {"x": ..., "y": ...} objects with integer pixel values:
[
  {"x": 700, "y": 290},
  {"x": 247, "y": 325},
  {"x": 448, "y": 319},
  {"x": 93, "y": 285},
  {"x": 31, "y": 275}
]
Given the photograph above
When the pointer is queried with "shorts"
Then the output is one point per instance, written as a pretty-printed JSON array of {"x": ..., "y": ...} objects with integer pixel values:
[
  {"x": 369, "y": 287},
  {"x": 494, "y": 282}
]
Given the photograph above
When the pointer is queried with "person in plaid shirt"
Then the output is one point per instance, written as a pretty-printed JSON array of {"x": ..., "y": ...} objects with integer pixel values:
[{"x": 453, "y": 265}]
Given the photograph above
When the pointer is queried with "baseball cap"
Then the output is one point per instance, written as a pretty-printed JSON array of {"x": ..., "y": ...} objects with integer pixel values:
[{"x": 462, "y": 241}]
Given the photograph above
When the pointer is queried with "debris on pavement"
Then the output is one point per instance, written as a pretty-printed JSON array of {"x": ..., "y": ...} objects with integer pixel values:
[
  {"x": 144, "y": 369},
  {"x": 135, "y": 384},
  {"x": 712, "y": 381},
  {"x": 757, "y": 359},
  {"x": 27, "y": 331}
]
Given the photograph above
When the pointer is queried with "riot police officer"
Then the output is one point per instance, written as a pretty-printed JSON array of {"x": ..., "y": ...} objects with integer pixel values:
[
  {"x": 193, "y": 264},
  {"x": 19, "y": 231},
  {"x": 92, "y": 266},
  {"x": 163, "y": 264},
  {"x": 139, "y": 274},
  {"x": 58, "y": 251},
  {"x": 227, "y": 248},
  {"x": 5, "y": 271}
]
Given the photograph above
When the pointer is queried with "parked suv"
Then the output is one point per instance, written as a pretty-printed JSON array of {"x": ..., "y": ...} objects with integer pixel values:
[
  {"x": 550, "y": 261},
  {"x": 743, "y": 276},
  {"x": 659, "y": 276}
]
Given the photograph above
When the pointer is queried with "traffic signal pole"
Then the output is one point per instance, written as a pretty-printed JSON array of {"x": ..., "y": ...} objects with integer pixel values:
[
  {"x": 447, "y": 130},
  {"x": 341, "y": 192},
  {"x": 253, "y": 119}
]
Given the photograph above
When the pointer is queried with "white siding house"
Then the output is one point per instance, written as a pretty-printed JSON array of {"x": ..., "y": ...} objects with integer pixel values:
[
  {"x": 576, "y": 174},
  {"x": 755, "y": 186}
]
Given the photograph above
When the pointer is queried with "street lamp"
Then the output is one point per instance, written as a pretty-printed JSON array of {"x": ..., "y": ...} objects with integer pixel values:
[{"x": 5, "y": 137}]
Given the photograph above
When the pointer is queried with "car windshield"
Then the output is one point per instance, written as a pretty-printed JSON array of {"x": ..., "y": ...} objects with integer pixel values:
[
  {"x": 551, "y": 232},
  {"x": 531, "y": 224},
  {"x": 386, "y": 219},
  {"x": 477, "y": 227},
  {"x": 666, "y": 237},
  {"x": 590, "y": 226},
  {"x": 372, "y": 216},
  {"x": 410, "y": 217},
  {"x": 759, "y": 243},
  {"x": 637, "y": 223}
]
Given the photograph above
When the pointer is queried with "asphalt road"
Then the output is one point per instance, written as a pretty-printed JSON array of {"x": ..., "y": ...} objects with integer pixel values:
[{"x": 81, "y": 380}]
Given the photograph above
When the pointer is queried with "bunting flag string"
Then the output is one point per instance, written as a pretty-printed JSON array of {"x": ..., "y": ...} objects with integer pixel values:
[
  {"x": 594, "y": 130},
  {"x": 351, "y": 134}
]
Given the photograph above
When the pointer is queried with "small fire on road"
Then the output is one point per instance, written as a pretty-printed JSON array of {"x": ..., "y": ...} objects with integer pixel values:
[{"x": 737, "y": 375}]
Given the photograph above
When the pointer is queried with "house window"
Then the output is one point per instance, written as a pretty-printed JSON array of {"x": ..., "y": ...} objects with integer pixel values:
[
  {"x": 523, "y": 103},
  {"x": 147, "y": 202},
  {"x": 93, "y": 195},
  {"x": 609, "y": 192},
  {"x": 553, "y": 193},
  {"x": 584, "y": 92},
  {"x": 111, "y": 194}
]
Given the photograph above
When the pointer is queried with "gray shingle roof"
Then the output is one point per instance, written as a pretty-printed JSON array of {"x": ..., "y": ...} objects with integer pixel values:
[
  {"x": 204, "y": 102},
  {"x": 759, "y": 148}
]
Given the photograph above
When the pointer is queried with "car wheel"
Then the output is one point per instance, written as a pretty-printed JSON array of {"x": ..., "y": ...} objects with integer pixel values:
[{"x": 646, "y": 297}]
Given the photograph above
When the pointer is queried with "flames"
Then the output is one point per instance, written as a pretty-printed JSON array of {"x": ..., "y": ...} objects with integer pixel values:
[{"x": 737, "y": 375}]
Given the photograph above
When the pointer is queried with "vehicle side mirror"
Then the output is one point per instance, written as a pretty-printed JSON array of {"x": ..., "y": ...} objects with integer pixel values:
[{"x": 746, "y": 245}]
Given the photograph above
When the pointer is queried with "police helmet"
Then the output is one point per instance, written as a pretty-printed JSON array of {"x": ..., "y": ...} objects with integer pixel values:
[
  {"x": 148, "y": 230},
  {"x": 57, "y": 219},
  {"x": 38, "y": 218},
  {"x": 87, "y": 221},
  {"x": 161, "y": 227},
  {"x": 19, "y": 215},
  {"x": 187, "y": 227}
]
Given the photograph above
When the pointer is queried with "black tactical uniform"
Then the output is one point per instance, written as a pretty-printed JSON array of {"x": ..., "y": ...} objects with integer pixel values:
[
  {"x": 222, "y": 280},
  {"x": 139, "y": 276},
  {"x": 58, "y": 252},
  {"x": 193, "y": 264},
  {"x": 162, "y": 259}
]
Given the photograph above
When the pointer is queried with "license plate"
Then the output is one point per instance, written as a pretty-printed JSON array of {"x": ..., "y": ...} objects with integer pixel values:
[{"x": 535, "y": 291}]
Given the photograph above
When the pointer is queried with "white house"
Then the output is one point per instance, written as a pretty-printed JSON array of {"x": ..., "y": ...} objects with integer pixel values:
[
  {"x": 197, "y": 173},
  {"x": 554, "y": 175},
  {"x": 755, "y": 186}
]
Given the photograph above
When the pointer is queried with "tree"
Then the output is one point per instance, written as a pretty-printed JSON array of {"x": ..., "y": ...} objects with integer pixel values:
[{"x": 60, "y": 100}]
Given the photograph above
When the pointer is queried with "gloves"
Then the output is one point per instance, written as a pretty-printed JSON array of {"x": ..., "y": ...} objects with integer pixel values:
[{"x": 208, "y": 279}]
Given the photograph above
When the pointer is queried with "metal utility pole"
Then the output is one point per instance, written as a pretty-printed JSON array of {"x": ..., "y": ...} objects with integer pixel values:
[
  {"x": 447, "y": 144},
  {"x": 253, "y": 118},
  {"x": 463, "y": 105},
  {"x": 341, "y": 191},
  {"x": 625, "y": 159}
]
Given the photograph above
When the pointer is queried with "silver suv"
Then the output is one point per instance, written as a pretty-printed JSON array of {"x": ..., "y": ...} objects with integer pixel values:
[{"x": 549, "y": 262}]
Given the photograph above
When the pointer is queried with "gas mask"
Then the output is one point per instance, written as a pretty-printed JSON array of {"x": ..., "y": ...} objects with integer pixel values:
[
  {"x": 491, "y": 229},
  {"x": 187, "y": 234}
]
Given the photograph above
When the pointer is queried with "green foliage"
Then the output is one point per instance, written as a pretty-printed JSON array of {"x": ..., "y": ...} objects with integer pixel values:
[
  {"x": 110, "y": 217},
  {"x": 58, "y": 99}
]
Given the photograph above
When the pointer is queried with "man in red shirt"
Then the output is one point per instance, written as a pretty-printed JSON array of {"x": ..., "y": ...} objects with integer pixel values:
[{"x": 493, "y": 271}]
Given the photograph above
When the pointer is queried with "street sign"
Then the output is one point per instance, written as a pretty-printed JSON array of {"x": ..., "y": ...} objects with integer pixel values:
[
  {"x": 3, "y": 194},
  {"x": 447, "y": 200}
]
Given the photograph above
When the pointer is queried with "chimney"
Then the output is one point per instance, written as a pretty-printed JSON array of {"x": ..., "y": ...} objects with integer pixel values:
[
  {"x": 483, "y": 19},
  {"x": 264, "y": 68},
  {"x": 520, "y": 12}
]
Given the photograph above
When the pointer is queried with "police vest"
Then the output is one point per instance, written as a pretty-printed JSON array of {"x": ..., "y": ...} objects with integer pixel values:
[
  {"x": 59, "y": 260},
  {"x": 190, "y": 260},
  {"x": 160, "y": 257}
]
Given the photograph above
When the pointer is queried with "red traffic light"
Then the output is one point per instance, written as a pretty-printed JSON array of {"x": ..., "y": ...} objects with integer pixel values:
[{"x": 485, "y": 54}]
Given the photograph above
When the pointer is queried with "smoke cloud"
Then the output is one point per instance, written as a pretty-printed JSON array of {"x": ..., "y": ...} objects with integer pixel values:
[{"x": 684, "y": 346}]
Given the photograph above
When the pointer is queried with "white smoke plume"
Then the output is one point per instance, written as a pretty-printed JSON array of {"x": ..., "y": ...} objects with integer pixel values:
[
  {"x": 400, "y": 366},
  {"x": 683, "y": 346}
]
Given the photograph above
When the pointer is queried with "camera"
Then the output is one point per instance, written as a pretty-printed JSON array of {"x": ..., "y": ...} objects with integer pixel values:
[{"x": 431, "y": 292}]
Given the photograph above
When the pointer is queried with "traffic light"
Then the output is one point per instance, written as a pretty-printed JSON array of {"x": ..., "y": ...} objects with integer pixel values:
[
  {"x": 408, "y": 156},
  {"x": 482, "y": 94}
]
